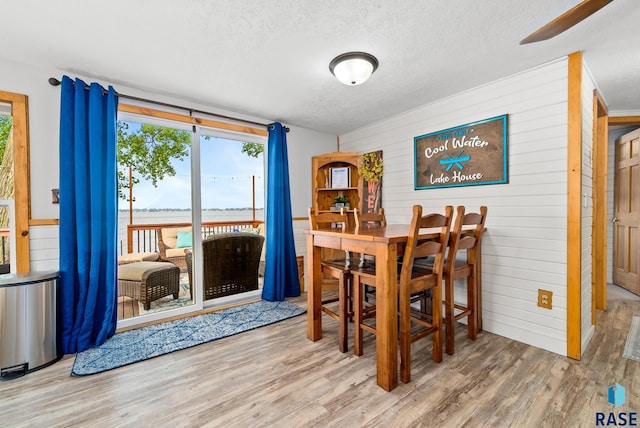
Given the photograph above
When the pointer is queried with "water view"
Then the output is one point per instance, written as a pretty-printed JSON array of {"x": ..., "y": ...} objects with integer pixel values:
[{"x": 159, "y": 216}]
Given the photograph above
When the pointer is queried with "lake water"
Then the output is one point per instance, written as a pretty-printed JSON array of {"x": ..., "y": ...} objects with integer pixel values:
[{"x": 177, "y": 216}]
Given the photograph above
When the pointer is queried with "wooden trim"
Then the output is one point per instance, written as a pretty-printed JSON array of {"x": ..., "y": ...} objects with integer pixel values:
[
  {"x": 574, "y": 209},
  {"x": 44, "y": 222},
  {"x": 300, "y": 218},
  {"x": 599, "y": 226},
  {"x": 20, "y": 115},
  {"x": 624, "y": 120},
  {"x": 146, "y": 111}
]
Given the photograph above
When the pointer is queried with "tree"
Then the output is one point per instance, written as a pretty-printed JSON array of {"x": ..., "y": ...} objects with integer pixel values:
[
  {"x": 148, "y": 151},
  {"x": 252, "y": 149},
  {"x": 7, "y": 188},
  {"x": 5, "y": 127}
]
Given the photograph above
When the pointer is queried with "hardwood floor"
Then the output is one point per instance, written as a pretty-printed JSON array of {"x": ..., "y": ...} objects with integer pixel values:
[{"x": 275, "y": 376}]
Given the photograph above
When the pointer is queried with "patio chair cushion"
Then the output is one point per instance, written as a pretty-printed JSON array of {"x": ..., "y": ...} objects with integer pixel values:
[
  {"x": 170, "y": 235},
  {"x": 150, "y": 256},
  {"x": 184, "y": 240},
  {"x": 175, "y": 252},
  {"x": 135, "y": 271}
]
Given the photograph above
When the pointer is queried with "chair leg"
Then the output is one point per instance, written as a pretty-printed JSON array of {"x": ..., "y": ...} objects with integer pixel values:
[
  {"x": 405, "y": 336},
  {"x": 357, "y": 310},
  {"x": 436, "y": 298},
  {"x": 342, "y": 313},
  {"x": 450, "y": 321},
  {"x": 472, "y": 296},
  {"x": 350, "y": 297}
]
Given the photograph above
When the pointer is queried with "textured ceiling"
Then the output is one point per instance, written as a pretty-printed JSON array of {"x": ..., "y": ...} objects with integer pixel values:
[{"x": 270, "y": 59}]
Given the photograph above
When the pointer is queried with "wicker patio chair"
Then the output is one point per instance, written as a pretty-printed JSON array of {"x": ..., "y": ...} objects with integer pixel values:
[
  {"x": 167, "y": 245},
  {"x": 230, "y": 263}
]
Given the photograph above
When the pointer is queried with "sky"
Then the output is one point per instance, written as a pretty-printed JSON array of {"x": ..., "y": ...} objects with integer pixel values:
[{"x": 226, "y": 180}]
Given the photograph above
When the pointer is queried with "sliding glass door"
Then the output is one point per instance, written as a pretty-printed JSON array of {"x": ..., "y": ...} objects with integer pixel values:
[
  {"x": 178, "y": 185},
  {"x": 154, "y": 218},
  {"x": 232, "y": 201}
]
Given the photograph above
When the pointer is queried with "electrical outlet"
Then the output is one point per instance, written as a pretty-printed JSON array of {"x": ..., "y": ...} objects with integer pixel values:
[{"x": 544, "y": 298}]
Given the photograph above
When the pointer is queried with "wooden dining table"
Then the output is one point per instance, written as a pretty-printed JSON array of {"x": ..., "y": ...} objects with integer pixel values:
[{"x": 386, "y": 243}]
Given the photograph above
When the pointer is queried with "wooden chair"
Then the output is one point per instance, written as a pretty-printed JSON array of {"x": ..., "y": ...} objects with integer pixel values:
[
  {"x": 466, "y": 235},
  {"x": 412, "y": 281},
  {"x": 338, "y": 268},
  {"x": 371, "y": 219},
  {"x": 367, "y": 220}
]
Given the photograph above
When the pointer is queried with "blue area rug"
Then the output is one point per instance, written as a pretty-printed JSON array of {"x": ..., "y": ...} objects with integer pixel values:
[{"x": 147, "y": 342}]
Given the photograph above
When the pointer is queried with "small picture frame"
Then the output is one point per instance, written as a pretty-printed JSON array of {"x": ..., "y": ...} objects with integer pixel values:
[{"x": 340, "y": 177}]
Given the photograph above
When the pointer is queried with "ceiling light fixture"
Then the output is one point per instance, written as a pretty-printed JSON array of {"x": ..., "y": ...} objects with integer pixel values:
[{"x": 353, "y": 68}]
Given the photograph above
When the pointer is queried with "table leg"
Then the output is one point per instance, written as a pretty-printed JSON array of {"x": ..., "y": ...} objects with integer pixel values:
[
  {"x": 387, "y": 316},
  {"x": 314, "y": 291},
  {"x": 479, "y": 287}
]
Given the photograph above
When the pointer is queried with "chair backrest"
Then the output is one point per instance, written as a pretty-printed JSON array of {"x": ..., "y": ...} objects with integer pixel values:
[
  {"x": 230, "y": 263},
  {"x": 370, "y": 219},
  {"x": 465, "y": 235},
  {"x": 323, "y": 220},
  {"x": 423, "y": 248}
]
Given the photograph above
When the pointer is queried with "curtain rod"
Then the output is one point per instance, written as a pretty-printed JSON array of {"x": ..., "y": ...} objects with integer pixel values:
[{"x": 55, "y": 82}]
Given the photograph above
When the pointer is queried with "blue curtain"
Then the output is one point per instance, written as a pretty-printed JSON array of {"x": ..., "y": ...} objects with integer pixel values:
[
  {"x": 87, "y": 303},
  {"x": 281, "y": 268}
]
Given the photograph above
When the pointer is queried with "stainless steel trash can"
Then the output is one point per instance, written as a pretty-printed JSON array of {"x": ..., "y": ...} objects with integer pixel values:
[{"x": 28, "y": 335}]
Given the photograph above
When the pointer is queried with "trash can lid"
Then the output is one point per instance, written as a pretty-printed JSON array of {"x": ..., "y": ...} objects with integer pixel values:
[{"x": 10, "y": 279}]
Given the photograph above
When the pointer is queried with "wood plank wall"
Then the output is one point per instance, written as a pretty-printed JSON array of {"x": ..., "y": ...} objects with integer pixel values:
[
  {"x": 44, "y": 251},
  {"x": 525, "y": 248}
]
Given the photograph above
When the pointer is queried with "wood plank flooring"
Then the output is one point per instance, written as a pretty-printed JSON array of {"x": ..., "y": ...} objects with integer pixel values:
[{"x": 274, "y": 376}]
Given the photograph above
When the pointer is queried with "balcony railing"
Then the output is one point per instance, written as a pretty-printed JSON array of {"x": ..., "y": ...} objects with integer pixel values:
[{"x": 144, "y": 237}]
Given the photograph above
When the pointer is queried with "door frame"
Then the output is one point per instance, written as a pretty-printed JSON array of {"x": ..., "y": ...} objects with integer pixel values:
[
  {"x": 20, "y": 117},
  {"x": 626, "y": 121},
  {"x": 599, "y": 216}
]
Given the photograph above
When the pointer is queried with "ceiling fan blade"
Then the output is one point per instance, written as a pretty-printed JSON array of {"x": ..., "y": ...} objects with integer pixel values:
[{"x": 565, "y": 21}]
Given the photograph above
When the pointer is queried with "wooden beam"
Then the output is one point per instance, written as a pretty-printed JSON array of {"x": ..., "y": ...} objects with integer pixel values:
[
  {"x": 146, "y": 111},
  {"x": 44, "y": 222},
  {"x": 565, "y": 21},
  {"x": 624, "y": 120},
  {"x": 574, "y": 206}
]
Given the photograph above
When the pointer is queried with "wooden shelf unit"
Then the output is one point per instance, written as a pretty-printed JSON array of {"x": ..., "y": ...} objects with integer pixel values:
[{"x": 323, "y": 193}]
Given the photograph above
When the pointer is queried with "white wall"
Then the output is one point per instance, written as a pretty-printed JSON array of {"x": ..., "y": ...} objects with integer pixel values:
[
  {"x": 44, "y": 117},
  {"x": 525, "y": 246}
]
